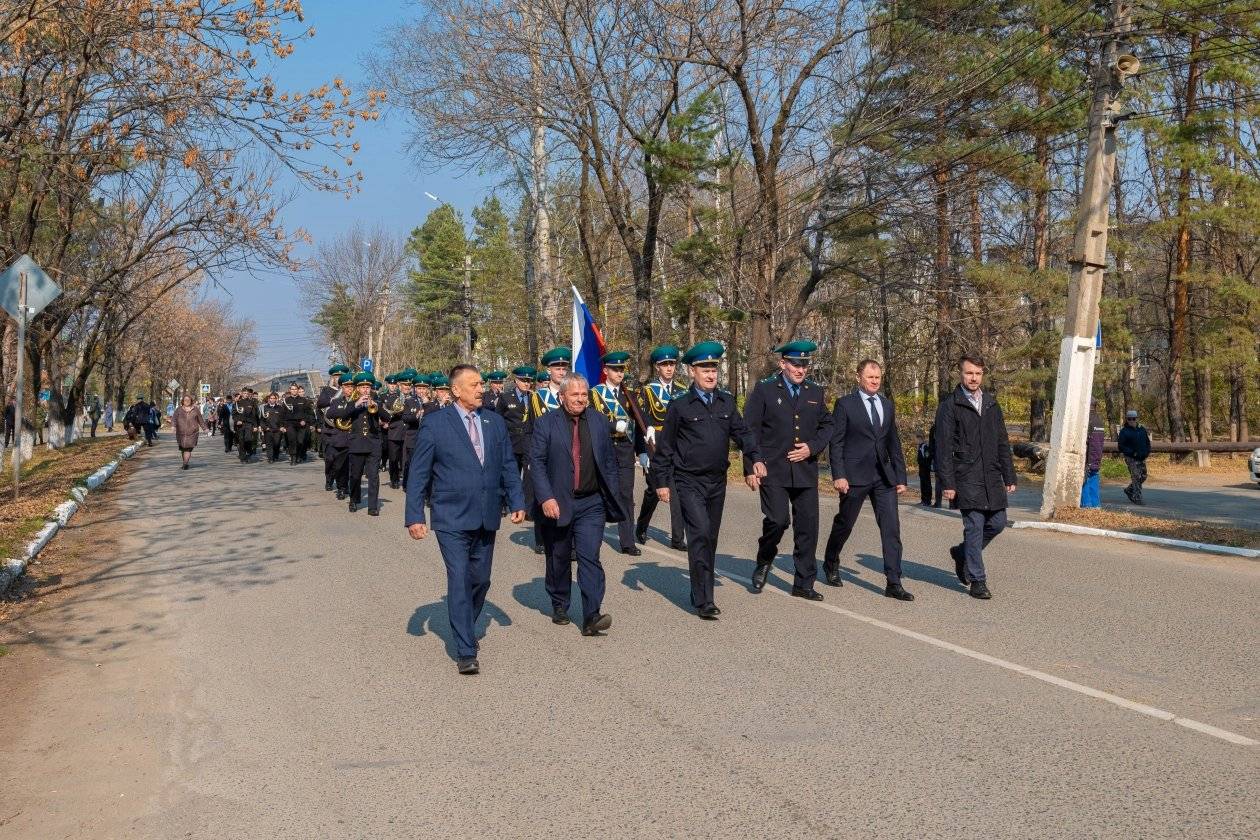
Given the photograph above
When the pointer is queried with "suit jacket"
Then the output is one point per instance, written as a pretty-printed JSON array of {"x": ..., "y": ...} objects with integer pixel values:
[
  {"x": 779, "y": 423},
  {"x": 860, "y": 452},
  {"x": 465, "y": 494},
  {"x": 973, "y": 452},
  {"x": 551, "y": 464}
]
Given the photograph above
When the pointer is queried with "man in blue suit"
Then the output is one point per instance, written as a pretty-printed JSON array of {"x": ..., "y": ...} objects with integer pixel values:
[
  {"x": 576, "y": 480},
  {"x": 463, "y": 464},
  {"x": 867, "y": 462}
]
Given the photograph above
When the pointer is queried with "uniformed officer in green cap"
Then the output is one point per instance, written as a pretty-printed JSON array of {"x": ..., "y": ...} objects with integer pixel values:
[
  {"x": 654, "y": 399},
  {"x": 789, "y": 416},
  {"x": 363, "y": 411},
  {"x": 410, "y": 419},
  {"x": 441, "y": 389},
  {"x": 326, "y": 430},
  {"x": 490, "y": 399},
  {"x": 692, "y": 456},
  {"x": 393, "y": 406},
  {"x": 337, "y": 447},
  {"x": 616, "y": 402},
  {"x": 555, "y": 363}
]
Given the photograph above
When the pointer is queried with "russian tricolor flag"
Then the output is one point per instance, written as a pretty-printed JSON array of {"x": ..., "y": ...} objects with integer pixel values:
[{"x": 588, "y": 342}]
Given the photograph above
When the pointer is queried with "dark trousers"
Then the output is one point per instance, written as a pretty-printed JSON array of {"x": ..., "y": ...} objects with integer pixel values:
[
  {"x": 701, "y": 498},
  {"x": 883, "y": 498},
  {"x": 395, "y": 456},
  {"x": 8, "y": 436},
  {"x": 468, "y": 556},
  {"x": 95, "y": 421},
  {"x": 648, "y": 507},
  {"x": 336, "y": 463},
  {"x": 150, "y": 432},
  {"x": 295, "y": 441},
  {"x": 273, "y": 439},
  {"x": 775, "y": 503},
  {"x": 625, "y": 473},
  {"x": 585, "y": 534},
  {"x": 409, "y": 446},
  {"x": 527, "y": 485},
  {"x": 246, "y": 445},
  {"x": 979, "y": 529},
  {"x": 365, "y": 465},
  {"x": 229, "y": 438},
  {"x": 925, "y": 480}
]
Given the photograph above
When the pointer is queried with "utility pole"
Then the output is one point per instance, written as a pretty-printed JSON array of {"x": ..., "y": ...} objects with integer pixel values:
[
  {"x": 1065, "y": 468},
  {"x": 19, "y": 391},
  {"x": 466, "y": 350}
]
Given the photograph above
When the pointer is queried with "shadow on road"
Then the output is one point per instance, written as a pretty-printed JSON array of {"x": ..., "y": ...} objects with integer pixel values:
[
  {"x": 533, "y": 595},
  {"x": 671, "y": 582},
  {"x": 434, "y": 619},
  {"x": 912, "y": 571}
]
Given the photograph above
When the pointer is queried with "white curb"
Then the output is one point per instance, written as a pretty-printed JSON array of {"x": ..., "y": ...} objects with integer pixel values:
[
  {"x": 1144, "y": 538},
  {"x": 13, "y": 567}
]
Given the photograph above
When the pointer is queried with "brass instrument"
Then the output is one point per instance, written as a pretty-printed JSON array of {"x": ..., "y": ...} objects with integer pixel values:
[{"x": 372, "y": 406}]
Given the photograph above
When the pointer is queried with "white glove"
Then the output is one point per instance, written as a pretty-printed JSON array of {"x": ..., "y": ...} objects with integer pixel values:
[
  {"x": 650, "y": 436},
  {"x": 643, "y": 460},
  {"x": 621, "y": 427}
]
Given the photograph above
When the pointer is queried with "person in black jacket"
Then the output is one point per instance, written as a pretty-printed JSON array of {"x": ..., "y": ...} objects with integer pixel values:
[
  {"x": 271, "y": 419},
  {"x": 974, "y": 465},
  {"x": 787, "y": 414},
  {"x": 247, "y": 423},
  {"x": 363, "y": 413},
  {"x": 225, "y": 421},
  {"x": 692, "y": 456},
  {"x": 867, "y": 462},
  {"x": 1134, "y": 443},
  {"x": 516, "y": 409}
]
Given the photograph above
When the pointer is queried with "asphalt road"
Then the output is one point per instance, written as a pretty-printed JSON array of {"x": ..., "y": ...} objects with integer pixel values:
[{"x": 255, "y": 662}]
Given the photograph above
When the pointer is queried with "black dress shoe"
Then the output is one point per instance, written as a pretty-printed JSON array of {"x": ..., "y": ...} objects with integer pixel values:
[
  {"x": 538, "y": 549},
  {"x": 559, "y": 617},
  {"x": 678, "y": 545},
  {"x": 759, "y": 577},
  {"x": 328, "y": 485},
  {"x": 468, "y": 667},
  {"x": 640, "y": 534},
  {"x": 831, "y": 574},
  {"x": 374, "y": 512},
  {"x": 895, "y": 590},
  {"x": 633, "y": 551},
  {"x": 807, "y": 594},
  {"x": 352, "y": 507},
  {"x": 708, "y": 612},
  {"x": 960, "y": 563},
  {"x": 341, "y": 495},
  {"x": 597, "y": 625},
  {"x": 980, "y": 590}
]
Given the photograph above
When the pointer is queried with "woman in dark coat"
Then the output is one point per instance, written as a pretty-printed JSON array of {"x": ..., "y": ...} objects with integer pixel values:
[{"x": 187, "y": 421}]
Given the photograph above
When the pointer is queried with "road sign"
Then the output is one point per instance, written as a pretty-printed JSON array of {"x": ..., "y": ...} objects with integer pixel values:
[
  {"x": 366, "y": 364},
  {"x": 173, "y": 384},
  {"x": 40, "y": 288},
  {"x": 44, "y": 395},
  {"x": 205, "y": 387}
]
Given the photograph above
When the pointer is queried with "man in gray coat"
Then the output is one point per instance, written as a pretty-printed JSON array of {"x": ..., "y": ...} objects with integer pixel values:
[{"x": 974, "y": 466}]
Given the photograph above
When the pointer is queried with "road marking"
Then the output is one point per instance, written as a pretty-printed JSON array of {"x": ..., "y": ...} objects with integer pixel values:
[{"x": 1114, "y": 699}]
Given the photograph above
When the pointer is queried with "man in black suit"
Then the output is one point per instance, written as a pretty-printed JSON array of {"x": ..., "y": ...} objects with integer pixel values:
[
  {"x": 788, "y": 415},
  {"x": 574, "y": 471},
  {"x": 866, "y": 461}
]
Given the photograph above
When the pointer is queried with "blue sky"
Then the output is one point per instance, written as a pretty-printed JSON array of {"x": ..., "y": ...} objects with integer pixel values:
[{"x": 393, "y": 186}]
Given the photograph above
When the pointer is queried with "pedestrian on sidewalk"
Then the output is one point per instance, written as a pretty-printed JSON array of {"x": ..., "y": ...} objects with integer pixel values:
[
  {"x": 188, "y": 422},
  {"x": 1091, "y": 496},
  {"x": 94, "y": 412},
  {"x": 464, "y": 462},
  {"x": 1134, "y": 444},
  {"x": 974, "y": 466},
  {"x": 107, "y": 417}
]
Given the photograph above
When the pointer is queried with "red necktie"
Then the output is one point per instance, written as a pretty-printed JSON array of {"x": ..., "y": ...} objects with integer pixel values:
[{"x": 577, "y": 455}]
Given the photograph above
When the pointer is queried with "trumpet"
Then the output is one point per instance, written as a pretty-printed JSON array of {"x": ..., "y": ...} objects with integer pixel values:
[{"x": 372, "y": 407}]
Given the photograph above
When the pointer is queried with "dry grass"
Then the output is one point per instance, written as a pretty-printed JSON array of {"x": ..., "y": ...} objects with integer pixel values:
[
  {"x": 1177, "y": 529},
  {"x": 46, "y": 483}
]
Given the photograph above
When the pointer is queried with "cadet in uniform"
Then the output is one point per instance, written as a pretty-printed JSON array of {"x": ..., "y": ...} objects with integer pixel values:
[
  {"x": 337, "y": 447},
  {"x": 546, "y": 397},
  {"x": 515, "y": 406},
  {"x": 441, "y": 389},
  {"x": 271, "y": 419},
  {"x": 410, "y": 419},
  {"x": 304, "y": 410},
  {"x": 616, "y": 403},
  {"x": 494, "y": 395},
  {"x": 327, "y": 430},
  {"x": 654, "y": 400},
  {"x": 692, "y": 456},
  {"x": 788, "y": 415},
  {"x": 396, "y": 432},
  {"x": 246, "y": 423},
  {"x": 363, "y": 411}
]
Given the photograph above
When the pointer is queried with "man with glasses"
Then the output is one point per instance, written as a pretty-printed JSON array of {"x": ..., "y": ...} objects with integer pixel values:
[{"x": 787, "y": 414}]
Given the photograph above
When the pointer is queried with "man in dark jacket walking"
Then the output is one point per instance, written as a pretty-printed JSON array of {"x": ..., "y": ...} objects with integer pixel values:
[
  {"x": 974, "y": 467},
  {"x": 1134, "y": 444}
]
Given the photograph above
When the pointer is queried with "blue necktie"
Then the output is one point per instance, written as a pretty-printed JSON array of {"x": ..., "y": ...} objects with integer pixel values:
[
  {"x": 793, "y": 390},
  {"x": 874, "y": 413}
]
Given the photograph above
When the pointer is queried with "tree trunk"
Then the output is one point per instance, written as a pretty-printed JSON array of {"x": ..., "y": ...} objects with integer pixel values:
[
  {"x": 1177, "y": 344},
  {"x": 1238, "y": 429},
  {"x": 944, "y": 303}
]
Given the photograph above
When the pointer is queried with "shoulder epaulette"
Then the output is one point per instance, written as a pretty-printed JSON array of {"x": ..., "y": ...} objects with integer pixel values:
[{"x": 769, "y": 378}]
